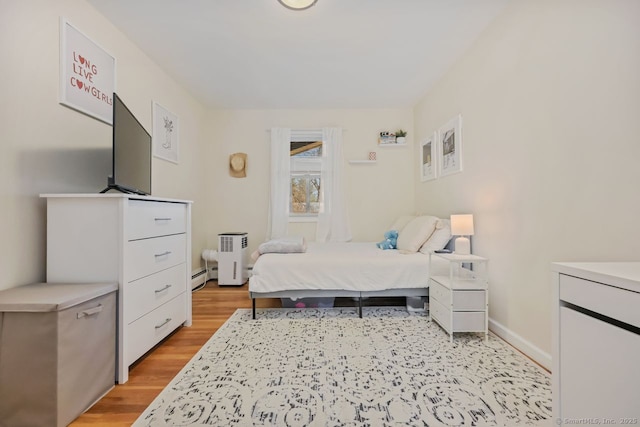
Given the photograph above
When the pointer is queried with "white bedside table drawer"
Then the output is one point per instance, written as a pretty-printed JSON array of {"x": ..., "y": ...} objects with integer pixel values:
[
  {"x": 469, "y": 321},
  {"x": 469, "y": 300},
  {"x": 151, "y": 219},
  {"x": 148, "y": 293},
  {"x": 148, "y": 256},
  {"x": 463, "y": 321},
  {"x": 440, "y": 314},
  {"x": 439, "y": 293},
  {"x": 463, "y": 300}
]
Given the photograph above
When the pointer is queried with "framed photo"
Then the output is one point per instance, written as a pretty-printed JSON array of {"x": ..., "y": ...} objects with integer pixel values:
[
  {"x": 87, "y": 74},
  {"x": 165, "y": 134},
  {"x": 450, "y": 147},
  {"x": 428, "y": 158}
]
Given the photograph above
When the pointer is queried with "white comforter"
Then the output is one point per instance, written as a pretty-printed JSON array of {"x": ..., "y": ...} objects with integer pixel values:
[{"x": 341, "y": 266}]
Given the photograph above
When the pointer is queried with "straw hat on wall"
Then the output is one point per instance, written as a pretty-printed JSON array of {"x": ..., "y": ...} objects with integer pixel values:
[{"x": 238, "y": 165}]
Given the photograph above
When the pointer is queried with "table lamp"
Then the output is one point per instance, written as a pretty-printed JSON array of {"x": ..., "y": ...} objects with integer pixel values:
[{"x": 462, "y": 226}]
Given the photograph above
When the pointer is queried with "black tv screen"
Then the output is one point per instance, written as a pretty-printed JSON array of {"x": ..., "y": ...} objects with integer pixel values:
[{"x": 131, "y": 171}]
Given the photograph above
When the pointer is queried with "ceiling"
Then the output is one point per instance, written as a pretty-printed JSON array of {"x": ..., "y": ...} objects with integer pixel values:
[{"x": 256, "y": 54}]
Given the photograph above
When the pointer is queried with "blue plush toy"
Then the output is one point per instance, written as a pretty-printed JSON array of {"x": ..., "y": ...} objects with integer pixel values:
[{"x": 390, "y": 240}]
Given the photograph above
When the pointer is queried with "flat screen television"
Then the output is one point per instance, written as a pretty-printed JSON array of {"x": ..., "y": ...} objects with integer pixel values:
[{"x": 131, "y": 155}]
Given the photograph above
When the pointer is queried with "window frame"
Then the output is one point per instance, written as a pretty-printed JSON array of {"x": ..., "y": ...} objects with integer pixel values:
[{"x": 311, "y": 166}]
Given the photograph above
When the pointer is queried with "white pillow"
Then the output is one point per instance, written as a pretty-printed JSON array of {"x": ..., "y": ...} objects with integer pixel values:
[
  {"x": 401, "y": 222},
  {"x": 416, "y": 232},
  {"x": 439, "y": 238}
]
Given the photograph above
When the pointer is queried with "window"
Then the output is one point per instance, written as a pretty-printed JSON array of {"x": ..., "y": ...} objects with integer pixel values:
[{"x": 305, "y": 189}]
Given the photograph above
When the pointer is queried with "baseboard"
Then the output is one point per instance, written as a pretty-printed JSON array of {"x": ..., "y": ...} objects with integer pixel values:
[
  {"x": 198, "y": 278},
  {"x": 534, "y": 352}
]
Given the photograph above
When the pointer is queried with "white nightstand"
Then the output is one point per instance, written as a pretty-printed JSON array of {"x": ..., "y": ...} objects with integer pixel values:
[{"x": 459, "y": 302}]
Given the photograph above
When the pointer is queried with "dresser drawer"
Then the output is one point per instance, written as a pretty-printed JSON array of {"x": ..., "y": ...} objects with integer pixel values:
[
  {"x": 150, "y": 219},
  {"x": 148, "y": 293},
  {"x": 148, "y": 256},
  {"x": 150, "y": 329},
  {"x": 619, "y": 304}
]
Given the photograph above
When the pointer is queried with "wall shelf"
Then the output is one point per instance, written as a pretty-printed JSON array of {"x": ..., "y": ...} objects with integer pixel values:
[
  {"x": 362, "y": 162},
  {"x": 404, "y": 144}
]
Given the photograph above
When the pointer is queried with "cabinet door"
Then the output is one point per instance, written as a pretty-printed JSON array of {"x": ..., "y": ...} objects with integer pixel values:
[{"x": 599, "y": 373}]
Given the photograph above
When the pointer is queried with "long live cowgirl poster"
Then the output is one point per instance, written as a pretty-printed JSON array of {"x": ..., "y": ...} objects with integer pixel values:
[{"x": 87, "y": 74}]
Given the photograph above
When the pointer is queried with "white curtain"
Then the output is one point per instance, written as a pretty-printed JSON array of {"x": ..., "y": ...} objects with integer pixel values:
[
  {"x": 280, "y": 181},
  {"x": 333, "y": 220}
]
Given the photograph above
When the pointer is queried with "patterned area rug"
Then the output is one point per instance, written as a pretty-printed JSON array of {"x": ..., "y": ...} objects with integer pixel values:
[{"x": 327, "y": 367}]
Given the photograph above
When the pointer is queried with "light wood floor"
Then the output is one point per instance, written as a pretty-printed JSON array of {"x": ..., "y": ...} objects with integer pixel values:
[{"x": 212, "y": 306}]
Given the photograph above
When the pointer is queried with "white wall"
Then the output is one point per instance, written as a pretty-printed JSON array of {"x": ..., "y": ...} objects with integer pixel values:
[
  {"x": 47, "y": 147},
  {"x": 550, "y": 99},
  {"x": 376, "y": 193}
]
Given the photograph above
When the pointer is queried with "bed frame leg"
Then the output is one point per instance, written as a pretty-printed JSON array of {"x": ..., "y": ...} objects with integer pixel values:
[
  {"x": 360, "y": 307},
  {"x": 253, "y": 304}
]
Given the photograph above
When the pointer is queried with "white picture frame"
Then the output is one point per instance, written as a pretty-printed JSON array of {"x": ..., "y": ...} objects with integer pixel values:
[
  {"x": 87, "y": 74},
  {"x": 450, "y": 147},
  {"x": 165, "y": 134},
  {"x": 428, "y": 159}
]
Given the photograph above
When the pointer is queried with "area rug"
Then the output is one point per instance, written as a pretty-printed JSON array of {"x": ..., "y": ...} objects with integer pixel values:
[{"x": 327, "y": 367}]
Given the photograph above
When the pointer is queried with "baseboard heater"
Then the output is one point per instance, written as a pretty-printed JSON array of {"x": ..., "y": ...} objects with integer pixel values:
[{"x": 198, "y": 278}]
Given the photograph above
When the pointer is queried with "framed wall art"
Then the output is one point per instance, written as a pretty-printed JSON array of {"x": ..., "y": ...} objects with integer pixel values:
[
  {"x": 450, "y": 147},
  {"x": 165, "y": 134},
  {"x": 428, "y": 158},
  {"x": 87, "y": 74}
]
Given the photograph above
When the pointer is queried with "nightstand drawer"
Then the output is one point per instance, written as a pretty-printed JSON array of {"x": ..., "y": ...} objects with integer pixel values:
[
  {"x": 151, "y": 219},
  {"x": 463, "y": 300},
  {"x": 469, "y": 300},
  {"x": 440, "y": 314},
  {"x": 463, "y": 321},
  {"x": 439, "y": 293}
]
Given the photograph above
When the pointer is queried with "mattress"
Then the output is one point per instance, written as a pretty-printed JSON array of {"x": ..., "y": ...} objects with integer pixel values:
[{"x": 352, "y": 266}]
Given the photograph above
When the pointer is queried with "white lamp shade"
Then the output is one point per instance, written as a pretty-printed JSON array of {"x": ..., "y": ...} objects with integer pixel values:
[
  {"x": 298, "y": 4},
  {"x": 462, "y": 225}
]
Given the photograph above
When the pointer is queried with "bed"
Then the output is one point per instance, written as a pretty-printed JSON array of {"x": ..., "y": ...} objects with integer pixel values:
[{"x": 353, "y": 269}]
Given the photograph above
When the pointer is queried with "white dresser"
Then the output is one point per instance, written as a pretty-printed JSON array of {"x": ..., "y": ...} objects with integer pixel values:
[
  {"x": 596, "y": 343},
  {"x": 141, "y": 242}
]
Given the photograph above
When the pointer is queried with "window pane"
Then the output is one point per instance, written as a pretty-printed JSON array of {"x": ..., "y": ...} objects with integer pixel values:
[
  {"x": 299, "y": 194},
  {"x": 305, "y": 194},
  {"x": 306, "y": 149},
  {"x": 314, "y": 195}
]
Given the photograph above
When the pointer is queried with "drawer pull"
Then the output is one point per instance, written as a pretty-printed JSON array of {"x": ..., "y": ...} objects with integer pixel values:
[
  {"x": 90, "y": 312},
  {"x": 162, "y": 254},
  {"x": 157, "y": 291},
  {"x": 162, "y": 219},
  {"x": 167, "y": 320}
]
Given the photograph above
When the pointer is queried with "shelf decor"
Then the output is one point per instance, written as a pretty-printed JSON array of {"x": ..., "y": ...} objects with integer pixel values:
[
  {"x": 87, "y": 74},
  {"x": 401, "y": 136},
  {"x": 428, "y": 157},
  {"x": 450, "y": 147},
  {"x": 387, "y": 138}
]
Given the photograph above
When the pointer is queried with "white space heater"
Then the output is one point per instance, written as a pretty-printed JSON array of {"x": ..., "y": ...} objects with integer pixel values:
[{"x": 232, "y": 255}]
